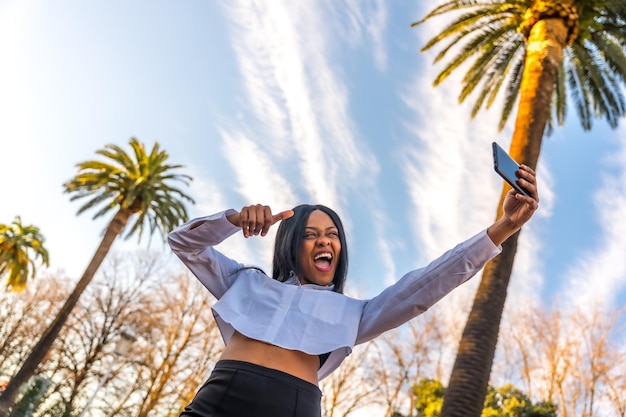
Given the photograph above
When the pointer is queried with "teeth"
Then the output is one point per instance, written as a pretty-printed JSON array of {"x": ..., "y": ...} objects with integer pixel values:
[{"x": 323, "y": 256}]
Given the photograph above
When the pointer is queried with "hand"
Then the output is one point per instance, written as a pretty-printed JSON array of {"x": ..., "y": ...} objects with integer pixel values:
[
  {"x": 518, "y": 208},
  {"x": 257, "y": 219}
]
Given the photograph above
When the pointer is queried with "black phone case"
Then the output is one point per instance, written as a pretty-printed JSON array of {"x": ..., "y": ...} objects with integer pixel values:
[{"x": 508, "y": 175}]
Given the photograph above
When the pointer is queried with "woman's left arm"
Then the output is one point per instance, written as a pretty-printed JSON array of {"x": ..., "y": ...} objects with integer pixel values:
[{"x": 420, "y": 289}]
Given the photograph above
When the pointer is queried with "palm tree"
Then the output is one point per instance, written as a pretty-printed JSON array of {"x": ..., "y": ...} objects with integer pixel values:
[
  {"x": 544, "y": 53},
  {"x": 20, "y": 247},
  {"x": 136, "y": 187}
]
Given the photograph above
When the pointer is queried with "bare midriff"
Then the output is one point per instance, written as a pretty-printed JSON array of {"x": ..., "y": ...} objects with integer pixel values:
[{"x": 293, "y": 362}]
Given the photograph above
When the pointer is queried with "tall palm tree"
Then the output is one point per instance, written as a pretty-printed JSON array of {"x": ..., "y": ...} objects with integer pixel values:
[
  {"x": 544, "y": 53},
  {"x": 133, "y": 185},
  {"x": 20, "y": 247}
]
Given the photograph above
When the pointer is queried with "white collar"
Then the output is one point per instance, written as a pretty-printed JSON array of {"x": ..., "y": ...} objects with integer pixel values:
[{"x": 294, "y": 280}]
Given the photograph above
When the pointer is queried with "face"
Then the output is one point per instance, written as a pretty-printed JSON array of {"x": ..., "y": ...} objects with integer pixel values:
[{"x": 320, "y": 250}]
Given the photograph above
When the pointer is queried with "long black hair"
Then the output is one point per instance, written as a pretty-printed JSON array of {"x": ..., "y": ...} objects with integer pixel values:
[{"x": 289, "y": 241}]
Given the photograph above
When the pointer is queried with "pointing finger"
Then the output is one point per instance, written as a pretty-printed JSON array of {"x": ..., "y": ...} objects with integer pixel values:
[
  {"x": 282, "y": 216},
  {"x": 273, "y": 219}
]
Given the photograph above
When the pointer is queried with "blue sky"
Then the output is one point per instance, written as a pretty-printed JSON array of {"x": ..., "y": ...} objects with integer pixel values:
[{"x": 282, "y": 102}]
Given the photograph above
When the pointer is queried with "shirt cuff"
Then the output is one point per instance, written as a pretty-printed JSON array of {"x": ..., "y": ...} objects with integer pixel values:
[{"x": 481, "y": 247}]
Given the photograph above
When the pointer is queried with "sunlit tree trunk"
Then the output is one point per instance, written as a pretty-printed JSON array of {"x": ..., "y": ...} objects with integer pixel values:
[
  {"x": 8, "y": 397},
  {"x": 467, "y": 388}
]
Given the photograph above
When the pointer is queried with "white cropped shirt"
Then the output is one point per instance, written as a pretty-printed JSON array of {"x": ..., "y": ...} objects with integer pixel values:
[{"x": 311, "y": 318}]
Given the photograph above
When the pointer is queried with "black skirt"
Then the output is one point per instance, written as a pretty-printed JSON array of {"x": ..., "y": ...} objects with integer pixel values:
[{"x": 237, "y": 388}]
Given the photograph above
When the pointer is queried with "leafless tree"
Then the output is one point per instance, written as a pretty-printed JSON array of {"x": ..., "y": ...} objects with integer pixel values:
[
  {"x": 568, "y": 356},
  {"x": 518, "y": 358},
  {"x": 598, "y": 352},
  {"x": 180, "y": 345},
  {"x": 348, "y": 388},
  {"x": 177, "y": 343},
  {"x": 169, "y": 313},
  {"x": 83, "y": 352},
  {"x": 574, "y": 358},
  {"x": 23, "y": 316},
  {"x": 615, "y": 393},
  {"x": 404, "y": 355}
]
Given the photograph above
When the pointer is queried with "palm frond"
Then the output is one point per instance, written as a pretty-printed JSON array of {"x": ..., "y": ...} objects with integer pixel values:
[
  {"x": 479, "y": 32},
  {"x": 577, "y": 82},
  {"x": 456, "y": 5},
  {"x": 560, "y": 95},
  {"x": 21, "y": 246},
  {"x": 138, "y": 181}
]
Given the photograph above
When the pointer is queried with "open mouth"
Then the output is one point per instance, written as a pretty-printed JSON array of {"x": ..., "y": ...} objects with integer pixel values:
[{"x": 323, "y": 261}]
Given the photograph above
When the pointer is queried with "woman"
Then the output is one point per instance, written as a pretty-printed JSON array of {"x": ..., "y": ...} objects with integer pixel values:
[{"x": 283, "y": 335}]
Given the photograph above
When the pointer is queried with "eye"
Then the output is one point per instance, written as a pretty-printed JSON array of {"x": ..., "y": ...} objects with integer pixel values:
[
  {"x": 333, "y": 234},
  {"x": 310, "y": 235}
]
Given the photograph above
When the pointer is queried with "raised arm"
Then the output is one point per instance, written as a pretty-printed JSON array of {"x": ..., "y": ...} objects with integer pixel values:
[
  {"x": 193, "y": 243},
  {"x": 420, "y": 289}
]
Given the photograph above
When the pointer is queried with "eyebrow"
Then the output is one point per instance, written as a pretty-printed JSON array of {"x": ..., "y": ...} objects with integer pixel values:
[{"x": 315, "y": 228}]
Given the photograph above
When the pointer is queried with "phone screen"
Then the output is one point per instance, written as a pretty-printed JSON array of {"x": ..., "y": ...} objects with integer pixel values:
[{"x": 507, "y": 168}]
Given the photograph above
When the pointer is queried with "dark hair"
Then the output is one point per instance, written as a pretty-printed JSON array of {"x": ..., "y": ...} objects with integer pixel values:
[{"x": 289, "y": 241}]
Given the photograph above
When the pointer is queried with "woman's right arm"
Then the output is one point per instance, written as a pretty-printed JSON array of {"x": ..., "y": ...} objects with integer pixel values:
[{"x": 193, "y": 243}]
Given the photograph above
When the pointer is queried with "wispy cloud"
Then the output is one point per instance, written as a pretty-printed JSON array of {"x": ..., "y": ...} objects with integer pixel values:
[
  {"x": 255, "y": 176},
  {"x": 600, "y": 275},
  {"x": 448, "y": 168},
  {"x": 366, "y": 23},
  {"x": 206, "y": 194},
  {"x": 294, "y": 90}
]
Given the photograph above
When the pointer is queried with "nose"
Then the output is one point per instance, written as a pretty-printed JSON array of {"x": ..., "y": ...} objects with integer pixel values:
[{"x": 323, "y": 241}]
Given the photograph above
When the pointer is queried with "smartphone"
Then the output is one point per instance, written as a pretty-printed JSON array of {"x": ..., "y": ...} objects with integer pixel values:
[{"x": 507, "y": 168}]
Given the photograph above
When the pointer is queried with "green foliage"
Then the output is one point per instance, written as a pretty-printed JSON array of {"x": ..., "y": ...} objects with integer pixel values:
[
  {"x": 428, "y": 397},
  {"x": 506, "y": 401},
  {"x": 33, "y": 394}
]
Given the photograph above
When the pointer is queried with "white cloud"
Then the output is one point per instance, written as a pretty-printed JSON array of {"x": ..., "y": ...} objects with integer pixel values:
[
  {"x": 384, "y": 244},
  {"x": 601, "y": 273},
  {"x": 448, "y": 170},
  {"x": 207, "y": 195},
  {"x": 256, "y": 178},
  {"x": 368, "y": 22},
  {"x": 297, "y": 95}
]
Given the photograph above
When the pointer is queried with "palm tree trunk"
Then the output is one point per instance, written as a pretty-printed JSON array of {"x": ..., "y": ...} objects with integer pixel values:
[
  {"x": 38, "y": 353},
  {"x": 467, "y": 389},
  {"x": 464, "y": 397}
]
